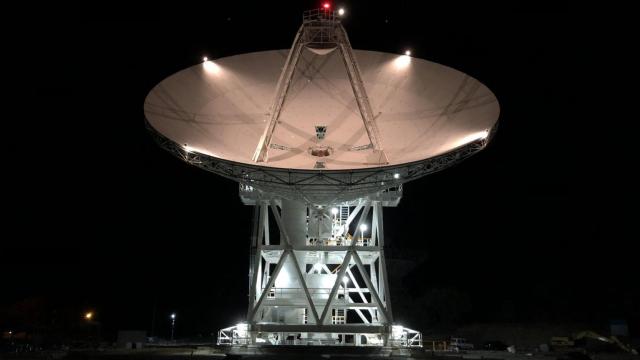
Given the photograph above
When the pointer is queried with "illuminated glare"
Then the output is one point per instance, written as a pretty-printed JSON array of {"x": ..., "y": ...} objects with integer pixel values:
[
  {"x": 173, "y": 316},
  {"x": 334, "y": 211},
  {"x": 284, "y": 279},
  {"x": 211, "y": 67},
  {"x": 242, "y": 329},
  {"x": 402, "y": 62},
  {"x": 345, "y": 279},
  {"x": 190, "y": 149},
  {"x": 363, "y": 227},
  {"x": 88, "y": 315},
  {"x": 396, "y": 176},
  {"x": 341, "y": 11},
  {"x": 472, "y": 137},
  {"x": 408, "y": 52},
  {"x": 326, "y": 5},
  {"x": 397, "y": 330},
  {"x": 205, "y": 59}
]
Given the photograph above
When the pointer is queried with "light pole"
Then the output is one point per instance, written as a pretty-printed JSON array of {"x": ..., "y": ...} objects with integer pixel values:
[
  {"x": 173, "y": 324},
  {"x": 363, "y": 228},
  {"x": 88, "y": 316},
  {"x": 345, "y": 280},
  {"x": 334, "y": 223}
]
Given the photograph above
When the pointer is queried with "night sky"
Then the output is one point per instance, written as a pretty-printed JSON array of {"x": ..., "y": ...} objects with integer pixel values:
[{"x": 97, "y": 217}]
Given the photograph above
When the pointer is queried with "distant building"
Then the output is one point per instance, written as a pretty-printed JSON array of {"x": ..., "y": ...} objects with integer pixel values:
[
  {"x": 131, "y": 339},
  {"x": 619, "y": 328}
]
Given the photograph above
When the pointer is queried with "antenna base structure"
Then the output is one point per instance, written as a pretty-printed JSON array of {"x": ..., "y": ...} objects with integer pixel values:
[
  {"x": 323, "y": 280},
  {"x": 321, "y": 32}
]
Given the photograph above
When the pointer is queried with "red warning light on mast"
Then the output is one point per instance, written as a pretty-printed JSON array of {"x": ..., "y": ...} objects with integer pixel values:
[{"x": 326, "y": 6}]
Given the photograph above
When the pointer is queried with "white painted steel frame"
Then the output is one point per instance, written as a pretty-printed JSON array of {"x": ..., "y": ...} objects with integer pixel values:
[
  {"x": 321, "y": 187},
  {"x": 305, "y": 35},
  {"x": 379, "y": 307}
]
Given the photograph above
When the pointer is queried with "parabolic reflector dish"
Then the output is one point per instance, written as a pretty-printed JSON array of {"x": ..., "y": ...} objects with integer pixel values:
[{"x": 429, "y": 116}]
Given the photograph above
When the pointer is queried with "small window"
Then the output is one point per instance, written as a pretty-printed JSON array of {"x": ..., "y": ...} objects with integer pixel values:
[{"x": 321, "y": 130}]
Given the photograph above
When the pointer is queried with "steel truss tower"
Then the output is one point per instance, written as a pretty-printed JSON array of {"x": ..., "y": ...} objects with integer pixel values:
[{"x": 319, "y": 277}]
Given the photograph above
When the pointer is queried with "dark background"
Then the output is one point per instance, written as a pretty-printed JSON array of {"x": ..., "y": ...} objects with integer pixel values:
[{"x": 97, "y": 217}]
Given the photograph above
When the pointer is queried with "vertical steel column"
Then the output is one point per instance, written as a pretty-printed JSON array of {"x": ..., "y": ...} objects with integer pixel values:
[{"x": 383, "y": 264}]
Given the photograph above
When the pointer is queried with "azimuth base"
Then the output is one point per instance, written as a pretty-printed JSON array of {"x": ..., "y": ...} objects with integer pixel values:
[{"x": 321, "y": 281}]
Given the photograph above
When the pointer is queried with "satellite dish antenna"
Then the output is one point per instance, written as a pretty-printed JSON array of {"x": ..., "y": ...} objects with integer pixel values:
[{"x": 322, "y": 137}]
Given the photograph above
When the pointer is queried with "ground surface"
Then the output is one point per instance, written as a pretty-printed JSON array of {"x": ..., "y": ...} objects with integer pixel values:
[{"x": 202, "y": 353}]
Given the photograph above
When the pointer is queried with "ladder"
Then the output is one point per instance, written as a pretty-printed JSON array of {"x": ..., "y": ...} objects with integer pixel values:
[{"x": 344, "y": 214}]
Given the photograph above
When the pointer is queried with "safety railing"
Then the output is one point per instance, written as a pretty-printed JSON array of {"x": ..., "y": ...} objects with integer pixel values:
[
  {"x": 405, "y": 337},
  {"x": 319, "y": 15},
  {"x": 296, "y": 296},
  {"x": 234, "y": 335},
  {"x": 296, "y": 293},
  {"x": 341, "y": 242}
]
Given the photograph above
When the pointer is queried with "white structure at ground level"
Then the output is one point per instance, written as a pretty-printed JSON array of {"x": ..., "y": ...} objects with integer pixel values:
[
  {"x": 319, "y": 160},
  {"x": 319, "y": 282}
]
